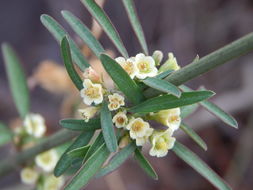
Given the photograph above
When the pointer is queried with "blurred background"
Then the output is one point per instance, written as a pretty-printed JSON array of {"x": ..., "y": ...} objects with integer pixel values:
[{"x": 186, "y": 28}]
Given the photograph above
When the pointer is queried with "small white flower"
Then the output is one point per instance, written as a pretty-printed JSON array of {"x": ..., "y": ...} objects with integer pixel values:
[
  {"x": 138, "y": 128},
  {"x": 145, "y": 66},
  {"x": 91, "y": 92},
  {"x": 128, "y": 65},
  {"x": 53, "y": 183},
  {"x": 115, "y": 101},
  {"x": 29, "y": 176},
  {"x": 35, "y": 125},
  {"x": 161, "y": 141},
  {"x": 140, "y": 141},
  {"x": 88, "y": 113},
  {"x": 47, "y": 160},
  {"x": 170, "y": 118},
  {"x": 120, "y": 119}
]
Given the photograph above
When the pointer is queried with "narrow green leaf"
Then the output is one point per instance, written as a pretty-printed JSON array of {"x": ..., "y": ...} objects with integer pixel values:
[
  {"x": 164, "y": 74},
  {"x": 168, "y": 101},
  {"x": 17, "y": 80},
  {"x": 117, "y": 160},
  {"x": 194, "y": 136},
  {"x": 84, "y": 32},
  {"x": 80, "y": 124},
  {"x": 5, "y": 134},
  {"x": 196, "y": 163},
  {"x": 188, "y": 110},
  {"x": 122, "y": 79},
  {"x": 59, "y": 33},
  {"x": 134, "y": 20},
  {"x": 162, "y": 86},
  {"x": 218, "y": 112},
  {"x": 79, "y": 152},
  {"x": 108, "y": 128},
  {"x": 144, "y": 164},
  {"x": 65, "y": 161},
  {"x": 93, "y": 148},
  {"x": 215, "y": 110},
  {"x": 89, "y": 169},
  {"x": 66, "y": 55},
  {"x": 106, "y": 24}
]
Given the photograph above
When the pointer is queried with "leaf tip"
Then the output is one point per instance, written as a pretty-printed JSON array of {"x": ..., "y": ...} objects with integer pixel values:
[
  {"x": 43, "y": 17},
  {"x": 234, "y": 123},
  {"x": 64, "y": 12}
]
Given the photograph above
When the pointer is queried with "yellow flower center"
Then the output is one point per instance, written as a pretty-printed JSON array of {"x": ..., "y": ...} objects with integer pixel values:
[
  {"x": 128, "y": 67},
  {"x": 92, "y": 92},
  {"x": 143, "y": 67},
  {"x": 114, "y": 105},
  {"x": 161, "y": 145},
  {"x": 174, "y": 118},
  {"x": 28, "y": 175},
  {"x": 137, "y": 126},
  {"x": 46, "y": 158},
  {"x": 120, "y": 120}
]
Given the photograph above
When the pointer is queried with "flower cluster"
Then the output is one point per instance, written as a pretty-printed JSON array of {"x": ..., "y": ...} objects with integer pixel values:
[
  {"x": 135, "y": 128},
  {"x": 39, "y": 172}
]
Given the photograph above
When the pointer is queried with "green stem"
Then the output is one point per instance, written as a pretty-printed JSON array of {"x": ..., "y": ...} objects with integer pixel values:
[
  {"x": 13, "y": 161},
  {"x": 233, "y": 50}
]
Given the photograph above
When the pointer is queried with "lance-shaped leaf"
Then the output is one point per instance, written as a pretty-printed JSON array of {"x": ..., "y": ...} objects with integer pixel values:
[
  {"x": 169, "y": 101},
  {"x": 108, "y": 128},
  {"x": 93, "y": 148},
  {"x": 84, "y": 32},
  {"x": 66, "y": 55},
  {"x": 80, "y": 124},
  {"x": 117, "y": 160},
  {"x": 79, "y": 152},
  {"x": 162, "y": 86},
  {"x": 122, "y": 79},
  {"x": 5, "y": 134},
  {"x": 194, "y": 136},
  {"x": 134, "y": 20},
  {"x": 59, "y": 33},
  {"x": 164, "y": 74},
  {"x": 144, "y": 164},
  {"x": 201, "y": 167},
  {"x": 65, "y": 161},
  {"x": 188, "y": 110},
  {"x": 17, "y": 80},
  {"x": 89, "y": 169},
  {"x": 106, "y": 24},
  {"x": 215, "y": 110}
]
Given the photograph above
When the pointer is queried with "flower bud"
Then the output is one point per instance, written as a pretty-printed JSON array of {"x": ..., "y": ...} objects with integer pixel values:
[
  {"x": 88, "y": 113},
  {"x": 157, "y": 56},
  {"x": 170, "y": 64},
  {"x": 91, "y": 74},
  {"x": 124, "y": 141}
]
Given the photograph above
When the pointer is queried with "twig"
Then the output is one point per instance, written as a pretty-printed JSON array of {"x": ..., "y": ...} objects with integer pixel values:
[
  {"x": 13, "y": 161},
  {"x": 205, "y": 64},
  {"x": 233, "y": 50}
]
